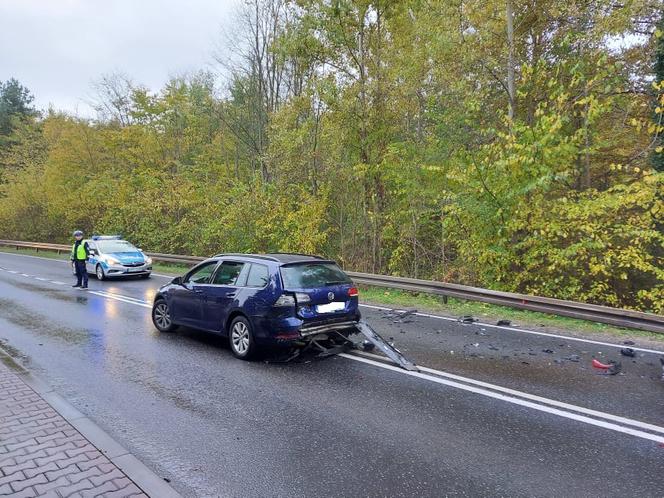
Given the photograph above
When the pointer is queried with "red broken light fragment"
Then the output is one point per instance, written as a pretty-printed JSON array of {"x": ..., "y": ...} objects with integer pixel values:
[{"x": 599, "y": 364}]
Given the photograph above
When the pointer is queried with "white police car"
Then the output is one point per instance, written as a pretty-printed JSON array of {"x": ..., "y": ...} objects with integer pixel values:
[{"x": 111, "y": 256}]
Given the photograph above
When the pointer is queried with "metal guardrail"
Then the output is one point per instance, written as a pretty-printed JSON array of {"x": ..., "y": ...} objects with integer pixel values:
[{"x": 583, "y": 311}]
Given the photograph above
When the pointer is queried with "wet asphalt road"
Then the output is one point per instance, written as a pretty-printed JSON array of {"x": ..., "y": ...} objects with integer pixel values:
[{"x": 216, "y": 426}]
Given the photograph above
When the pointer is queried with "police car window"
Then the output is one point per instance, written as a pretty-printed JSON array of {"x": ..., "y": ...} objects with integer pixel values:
[
  {"x": 109, "y": 246},
  {"x": 202, "y": 274},
  {"x": 258, "y": 276},
  {"x": 227, "y": 273}
]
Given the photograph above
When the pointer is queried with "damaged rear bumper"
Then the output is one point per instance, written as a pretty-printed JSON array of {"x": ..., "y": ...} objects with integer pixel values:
[{"x": 330, "y": 327}]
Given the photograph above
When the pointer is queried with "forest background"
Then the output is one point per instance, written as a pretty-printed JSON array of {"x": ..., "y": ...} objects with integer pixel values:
[{"x": 513, "y": 145}]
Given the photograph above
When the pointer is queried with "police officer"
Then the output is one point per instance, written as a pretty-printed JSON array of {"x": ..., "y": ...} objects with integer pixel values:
[{"x": 79, "y": 255}]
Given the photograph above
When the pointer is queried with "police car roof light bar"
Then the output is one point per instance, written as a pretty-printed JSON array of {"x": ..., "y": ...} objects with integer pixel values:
[{"x": 107, "y": 237}]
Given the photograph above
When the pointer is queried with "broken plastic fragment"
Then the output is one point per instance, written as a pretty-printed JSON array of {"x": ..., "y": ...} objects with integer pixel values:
[
  {"x": 504, "y": 322},
  {"x": 467, "y": 319},
  {"x": 612, "y": 368},
  {"x": 628, "y": 352},
  {"x": 599, "y": 364}
]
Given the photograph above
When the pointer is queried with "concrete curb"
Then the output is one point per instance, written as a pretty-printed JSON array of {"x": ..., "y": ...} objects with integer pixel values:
[{"x": 149, "y": 482}]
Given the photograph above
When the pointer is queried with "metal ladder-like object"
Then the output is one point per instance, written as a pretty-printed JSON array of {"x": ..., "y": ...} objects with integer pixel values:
[{"x": 388, "y": 349}]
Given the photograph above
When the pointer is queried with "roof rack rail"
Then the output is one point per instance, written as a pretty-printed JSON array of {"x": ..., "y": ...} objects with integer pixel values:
[
  {"x": 301, "y": 254},
  {"x": 246, "y": 255}
]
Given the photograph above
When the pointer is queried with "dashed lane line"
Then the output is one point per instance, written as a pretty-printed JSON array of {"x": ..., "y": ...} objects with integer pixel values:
[
  {"x": 554, "y": 407},
  {"x": 429, "y": 315}
]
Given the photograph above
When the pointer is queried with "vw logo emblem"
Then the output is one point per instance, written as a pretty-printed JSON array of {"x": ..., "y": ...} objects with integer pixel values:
[{"x": 330, "y": 296}]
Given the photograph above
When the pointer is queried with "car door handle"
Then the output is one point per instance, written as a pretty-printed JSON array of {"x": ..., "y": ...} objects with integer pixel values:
[{"x": 231, "y": 294}]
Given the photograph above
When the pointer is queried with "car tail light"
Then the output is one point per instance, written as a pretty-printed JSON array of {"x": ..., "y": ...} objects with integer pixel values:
[
  {"x": 353, "y": 292},
  {"x": 285, "y": 300}
]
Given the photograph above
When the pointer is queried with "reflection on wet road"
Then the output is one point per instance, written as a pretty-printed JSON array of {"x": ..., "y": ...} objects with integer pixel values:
[{"x": 216, "y": 426}]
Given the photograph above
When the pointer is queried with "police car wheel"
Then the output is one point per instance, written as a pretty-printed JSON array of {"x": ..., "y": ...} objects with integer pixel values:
[
  {"x": 161, "y": 316},
  {"x": 99, "y": 271}
]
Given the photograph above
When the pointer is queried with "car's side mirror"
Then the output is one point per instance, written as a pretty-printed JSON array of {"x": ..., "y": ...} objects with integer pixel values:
[{"x": 177, "y": 281}]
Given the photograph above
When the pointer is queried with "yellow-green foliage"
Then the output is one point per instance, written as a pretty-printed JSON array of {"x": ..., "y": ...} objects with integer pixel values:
[{"x": 388, "y": 147}]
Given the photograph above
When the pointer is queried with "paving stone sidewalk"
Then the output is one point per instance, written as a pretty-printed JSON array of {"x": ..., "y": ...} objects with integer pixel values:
[{"x": 41, "y": 454}]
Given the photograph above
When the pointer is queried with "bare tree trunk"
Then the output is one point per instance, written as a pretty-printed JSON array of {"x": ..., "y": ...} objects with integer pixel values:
[{"x": 510, "y": 61}]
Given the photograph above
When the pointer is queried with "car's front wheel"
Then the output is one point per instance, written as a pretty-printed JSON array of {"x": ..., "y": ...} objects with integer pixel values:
[
  {"x": 241, "y": 339},
  {"x": 161, "y": 316},
  {"x": 99, "y": 271}
]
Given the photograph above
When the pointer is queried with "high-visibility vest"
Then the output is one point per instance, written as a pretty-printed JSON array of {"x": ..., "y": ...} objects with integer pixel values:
[{"x": 80, "y": 252}]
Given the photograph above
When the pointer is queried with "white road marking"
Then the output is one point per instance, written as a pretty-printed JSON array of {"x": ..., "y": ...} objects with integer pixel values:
[
  {"x": 515, "y": 329},
  {"x": 162, "y": 275},
  {"x": 128, "y": 298},
  {"x": 494, "y": 392},
  {"x": 427, "y": 315},
  {"x": 36, "y": 257},
  {"x": 511, "y": 399},
  {"x": 544, "y": 406},
  {"x": 120, "y": 298},
  {"x": 532, "y": 397}
]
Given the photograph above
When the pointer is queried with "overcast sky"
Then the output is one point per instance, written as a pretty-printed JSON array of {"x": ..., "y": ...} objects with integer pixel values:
[{"x": 57, "y": 48}]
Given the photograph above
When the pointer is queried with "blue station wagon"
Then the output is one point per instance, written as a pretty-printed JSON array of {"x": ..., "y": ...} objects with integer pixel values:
[{"x": 260, "y": 300}]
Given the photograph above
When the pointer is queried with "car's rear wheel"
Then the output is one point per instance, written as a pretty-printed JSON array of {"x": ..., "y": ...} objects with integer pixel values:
[
  {"x": 241, "y": 339},
  {"x": 161, "y": 316},
  {"x": 99, "y": 271},
  {"x": 145, "y": 275}
]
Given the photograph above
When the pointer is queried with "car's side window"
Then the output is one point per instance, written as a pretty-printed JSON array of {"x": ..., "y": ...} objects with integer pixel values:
[
  {"x": 202, "y": 274},
  {"x": 227, "y": 273},
  {"x": 259, "y": 276}
]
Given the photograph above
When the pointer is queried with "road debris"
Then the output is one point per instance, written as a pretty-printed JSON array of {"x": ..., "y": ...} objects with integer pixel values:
[
  {"x": 611, "y": 368},
  {"x": 573, "y": 357},
  {"x": 598, "y": 364},
  {"x": 387, "y": 348},
  {"x": 504, "y": 323},
  {"x": 661, "y": 360},
  {"x": 467, "y": 319},
  {"x": 628, "y": 352},
  {"x": 548, "y": 351},
  {"x": 368, "y": 345},
  {"x": 628, "y": 343},
  {"x": 400, "y": 316}
]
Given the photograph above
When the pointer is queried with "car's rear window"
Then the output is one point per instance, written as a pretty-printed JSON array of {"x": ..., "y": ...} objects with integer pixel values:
[{"x": 312, "y": 275}]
